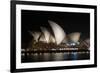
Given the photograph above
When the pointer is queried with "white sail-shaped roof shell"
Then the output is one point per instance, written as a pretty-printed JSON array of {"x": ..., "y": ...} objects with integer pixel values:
[
  {"x": 36, "y": 35},
  {"x": 46, "y": 34},
  {"x": 52, "y": 39},
  {"x": 42, "y": 38},
  {"x": 74, "y": 36},
  {"x": 58, "y": 32}
]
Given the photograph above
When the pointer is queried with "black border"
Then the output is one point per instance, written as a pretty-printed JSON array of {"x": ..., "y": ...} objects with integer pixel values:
[{"x": 13, "y": 36}]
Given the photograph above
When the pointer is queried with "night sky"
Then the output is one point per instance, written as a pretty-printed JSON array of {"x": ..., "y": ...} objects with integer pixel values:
[{"x": 70, "y": 22}]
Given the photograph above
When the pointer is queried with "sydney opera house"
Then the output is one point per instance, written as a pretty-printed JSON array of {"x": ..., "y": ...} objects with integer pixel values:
[{"x": 56, "y": 41}]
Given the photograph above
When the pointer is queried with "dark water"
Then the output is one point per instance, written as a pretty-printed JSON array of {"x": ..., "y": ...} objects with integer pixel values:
[{"x": 44, "y": 57}]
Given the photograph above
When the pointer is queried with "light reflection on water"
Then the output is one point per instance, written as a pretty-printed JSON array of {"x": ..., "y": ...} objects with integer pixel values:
[{"x": 42, "y": 57}]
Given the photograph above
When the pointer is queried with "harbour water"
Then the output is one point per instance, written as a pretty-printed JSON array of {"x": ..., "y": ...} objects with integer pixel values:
[{"x": 61, "y": 56}]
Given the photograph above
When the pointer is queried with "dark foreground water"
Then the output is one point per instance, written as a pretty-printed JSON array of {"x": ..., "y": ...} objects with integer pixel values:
[{"x": 44, "y": 57}]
